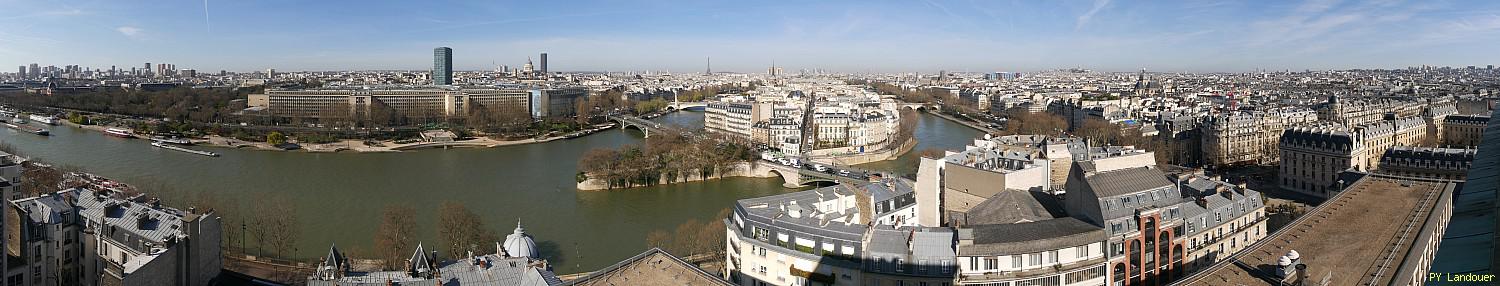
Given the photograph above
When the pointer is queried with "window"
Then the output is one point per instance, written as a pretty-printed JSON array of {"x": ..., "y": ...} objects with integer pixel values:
[
  {"x": 1052, "y": 256},
  {"x": 1015, "y": 262},
  {"x": 991, "y": 263},
  {"x": 1034, "y": 259},
  {"x": 1083, "y": 251}
]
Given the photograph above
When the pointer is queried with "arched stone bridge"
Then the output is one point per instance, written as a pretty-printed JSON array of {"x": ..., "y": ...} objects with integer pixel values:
[
  {"x": 793, "y": 177},
  {"x": 645, "y": 126}
]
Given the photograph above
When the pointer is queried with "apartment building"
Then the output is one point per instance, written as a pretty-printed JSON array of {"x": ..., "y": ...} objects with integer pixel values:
[
  {"x": 1313, "y": 156},
  {"x": 839, "y": 235},
  {"x": 1463, "y": 130},
  {"x": 83, "y": 236}
]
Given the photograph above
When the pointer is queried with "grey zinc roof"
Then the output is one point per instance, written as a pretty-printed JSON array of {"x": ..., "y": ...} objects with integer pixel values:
[
  {"x": 480, "y": 270},
  {"x": 772, "y": 214},
  {"x": 1030, "y": 237},
  {"x": 137, "y": 219},
  {"x": 44, "y": 209},
  {"x": 1127, "y": 181},
  {"x": 933, "y": 243},
  {"x": 1009, "y": 206},
  {"x": 886, "y": 242}
]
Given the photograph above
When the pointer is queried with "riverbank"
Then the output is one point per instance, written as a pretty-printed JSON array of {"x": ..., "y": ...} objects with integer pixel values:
[
  {"x": 970, "y": 124},
  {"x": 742, "y": 169},
  {"x": 360, "y": 146},
  {"x": 867, "y": 157}
]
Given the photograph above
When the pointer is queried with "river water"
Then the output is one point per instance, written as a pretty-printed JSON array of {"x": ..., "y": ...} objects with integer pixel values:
[{"x": 338, "y": 197}]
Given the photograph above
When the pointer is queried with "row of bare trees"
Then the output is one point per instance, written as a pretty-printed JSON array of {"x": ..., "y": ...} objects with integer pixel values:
[
  {"x": 460, "y": 230},
  {"x": 666, "y": 155},
  {"x": 269, "y": 225},
  {"x": 183, "y": 103}
]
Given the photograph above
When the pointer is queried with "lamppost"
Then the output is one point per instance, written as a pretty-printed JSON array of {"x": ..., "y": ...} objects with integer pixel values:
[{"x": 242, "y": 237}]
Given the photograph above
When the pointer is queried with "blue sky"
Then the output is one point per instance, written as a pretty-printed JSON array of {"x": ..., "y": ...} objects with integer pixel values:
[{"x": 850, "y": 36}]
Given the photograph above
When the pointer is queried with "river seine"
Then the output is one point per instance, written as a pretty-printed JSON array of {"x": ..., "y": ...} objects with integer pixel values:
[{"x": 338, "y": 197}]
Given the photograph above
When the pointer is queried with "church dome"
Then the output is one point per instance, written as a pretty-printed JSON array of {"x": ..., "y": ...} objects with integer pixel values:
[{"x": 519, "y": 244}]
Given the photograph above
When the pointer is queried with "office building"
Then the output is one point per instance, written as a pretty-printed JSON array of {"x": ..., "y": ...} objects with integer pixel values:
[
  {"x": 545, "y": 72},
  {"x": 442, "y": 66},
  {"x": 556, "y": 103},
  {"x": 411, "y": 105}
]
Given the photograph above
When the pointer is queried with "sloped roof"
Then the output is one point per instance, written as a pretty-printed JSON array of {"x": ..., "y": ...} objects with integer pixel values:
[
  {"x": 1009, "y": 206},
  {"x": 653, "y": 267},
  {"x": 1029, "y": 237},
  {"x": 1127, "y": 181}
]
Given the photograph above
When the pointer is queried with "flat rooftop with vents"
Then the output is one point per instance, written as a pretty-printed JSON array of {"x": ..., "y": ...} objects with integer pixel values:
[{"x": 1362, "y": 236}]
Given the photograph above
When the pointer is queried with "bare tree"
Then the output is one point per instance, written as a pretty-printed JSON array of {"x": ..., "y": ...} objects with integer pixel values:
[
  {"x": 685, "y": 238},
  {"x": 461, "y": 230},
  {"x": 395, "y": 235},
  {"x": 38, "y": 179},
  {"x": 712, "y": 233},
  {"x": 280, "y": 225}
]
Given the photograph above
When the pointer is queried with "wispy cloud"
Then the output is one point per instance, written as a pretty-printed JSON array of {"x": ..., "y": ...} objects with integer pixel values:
[
  {"x": 50, "y": 13},
  {"x": 129, "y": 31},
  {"x": 1089, "y": 16},
  {"x": 206, "y": 23},
  {"x": 1464, "y": 28}
]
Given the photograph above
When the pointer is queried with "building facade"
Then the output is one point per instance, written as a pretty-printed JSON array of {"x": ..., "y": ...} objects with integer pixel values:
[
  {"x": 442, "y": 66},
  {"x": 1463, "y": 130},
  {"x": 840, "y": 235},
  {"x": 1313, "y": 156},
  {"x": 83, "y": 236},
  {"x": 416, "y": 105}
]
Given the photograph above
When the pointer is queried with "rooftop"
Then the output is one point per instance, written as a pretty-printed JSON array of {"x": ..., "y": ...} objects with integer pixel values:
[
  {"x": 480, "y": 270},
  {"x": 1028, "y": 237},
  {"x": 1347, "y": 239},
  {"x": 1468, "y": 245},
  {"x": 1126, "y": 181},
  {"x": 653, "y": 267}
]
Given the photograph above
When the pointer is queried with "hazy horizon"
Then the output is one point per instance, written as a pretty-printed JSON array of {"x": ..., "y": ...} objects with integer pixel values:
[{"x": 679, "y": 36}]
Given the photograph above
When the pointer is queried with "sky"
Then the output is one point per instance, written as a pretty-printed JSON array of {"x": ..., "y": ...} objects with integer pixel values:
[{"x": 748, "y": 36}]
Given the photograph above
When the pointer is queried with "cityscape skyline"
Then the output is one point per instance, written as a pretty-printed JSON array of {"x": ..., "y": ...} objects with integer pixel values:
[{"x": 881, "y": 37}]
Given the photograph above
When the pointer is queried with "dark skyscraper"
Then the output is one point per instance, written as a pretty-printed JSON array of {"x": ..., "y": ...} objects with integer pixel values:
[
  {"x": 21, "y": 73},
  {"x": 442, "y": 66},
  {"x": 544, "y": 63}
]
